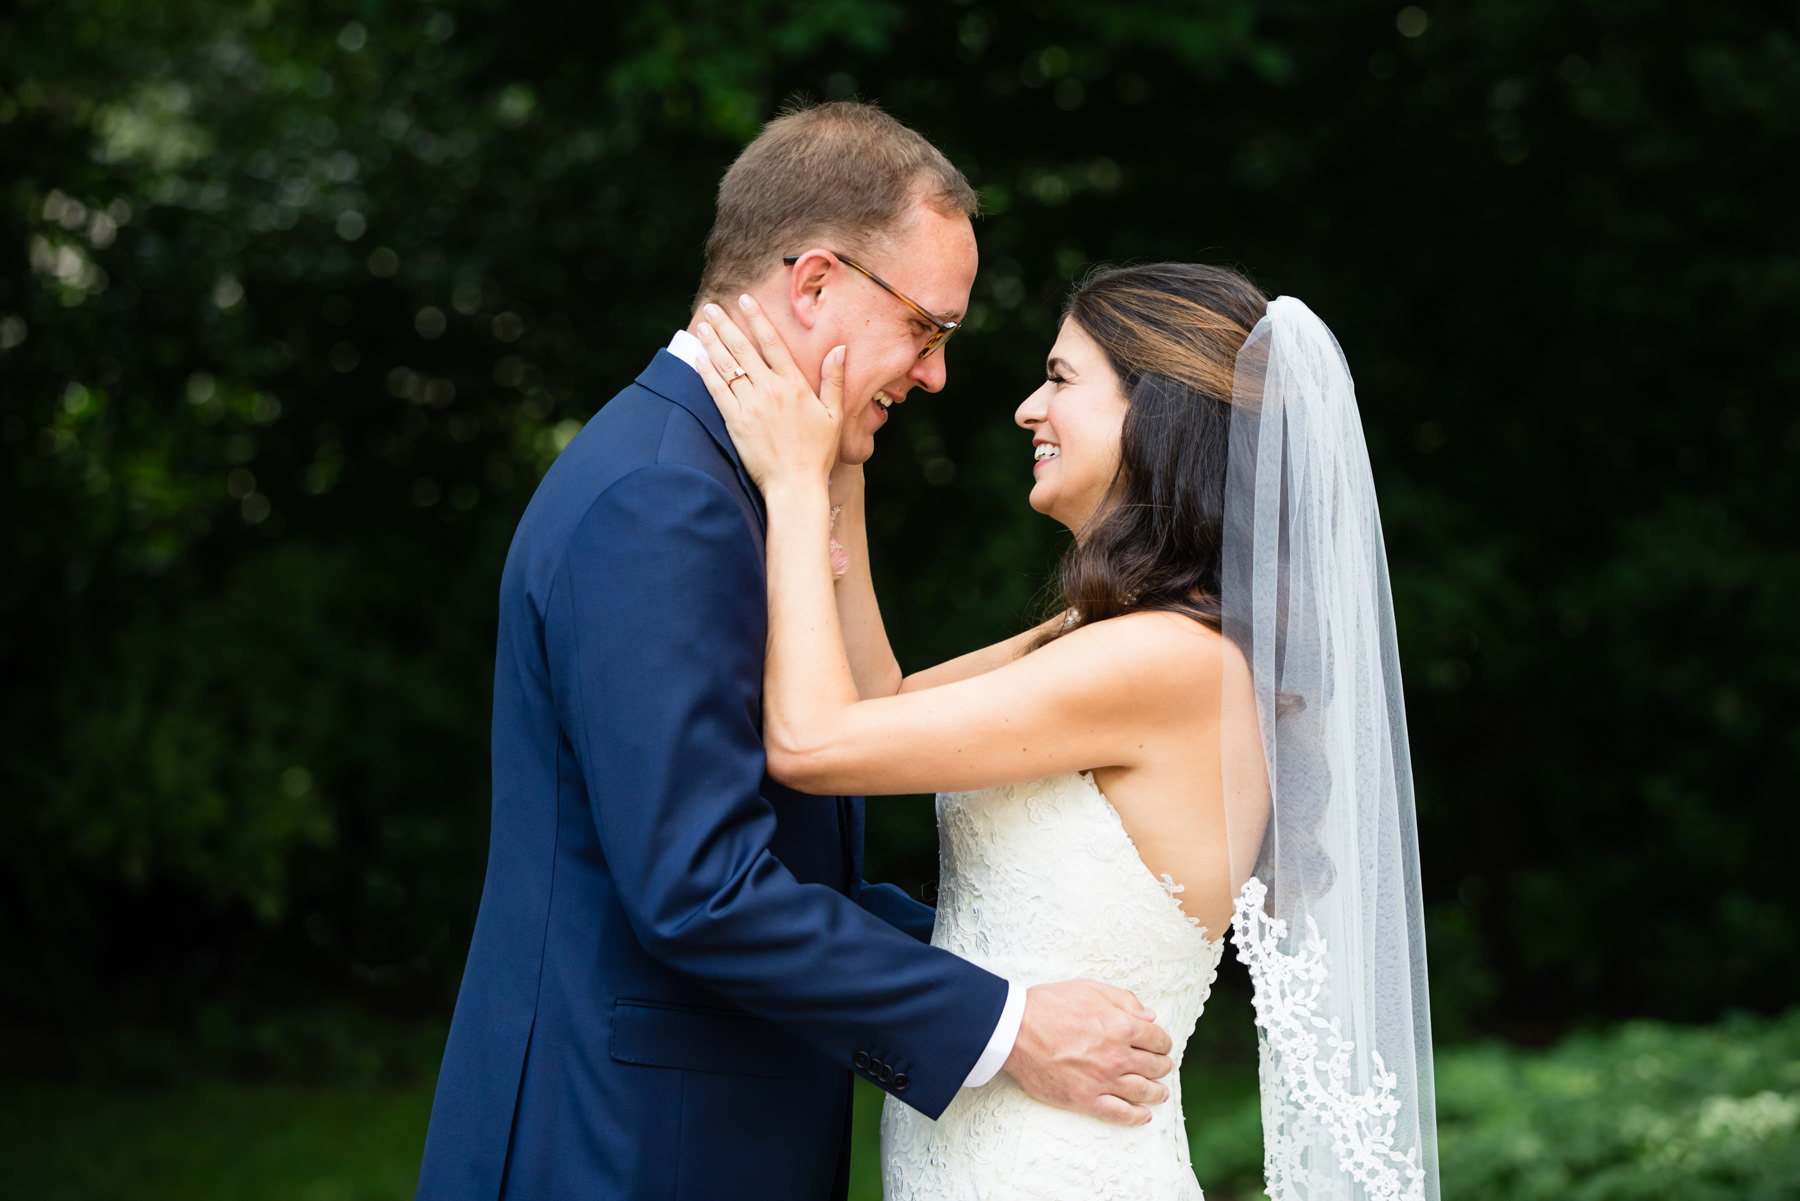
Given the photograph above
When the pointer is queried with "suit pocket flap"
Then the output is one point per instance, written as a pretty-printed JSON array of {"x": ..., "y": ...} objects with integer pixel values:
[{"x": 704, "y": 1040}]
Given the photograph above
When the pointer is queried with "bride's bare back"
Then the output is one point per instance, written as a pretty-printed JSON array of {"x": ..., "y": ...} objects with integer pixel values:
[{"x": 1137, "y": 700}]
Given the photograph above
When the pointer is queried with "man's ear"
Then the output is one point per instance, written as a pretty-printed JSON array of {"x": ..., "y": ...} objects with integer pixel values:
[{"x": 806, "y": 285}]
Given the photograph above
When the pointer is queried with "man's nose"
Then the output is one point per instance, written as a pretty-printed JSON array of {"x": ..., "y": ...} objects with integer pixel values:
[{"x": 931, "y": 372}]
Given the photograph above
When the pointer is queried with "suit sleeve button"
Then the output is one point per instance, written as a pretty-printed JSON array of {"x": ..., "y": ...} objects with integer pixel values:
[
  {"x": 860, "y": 1061},
  {"x": 902, "y": 1082},
  {"x": 887, "y": 1074}
]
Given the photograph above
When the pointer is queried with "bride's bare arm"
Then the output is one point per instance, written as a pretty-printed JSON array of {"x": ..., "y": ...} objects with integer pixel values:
[
  {"x": 977, "y": 663},
  {"x": 1094, "y": 698},
  {"x": 1088, "y": 700},
  {"x": 872, "y": 661}
]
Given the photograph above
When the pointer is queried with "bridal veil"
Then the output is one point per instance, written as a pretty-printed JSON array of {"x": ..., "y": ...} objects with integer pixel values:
[{"x": 1321, "y": 825}]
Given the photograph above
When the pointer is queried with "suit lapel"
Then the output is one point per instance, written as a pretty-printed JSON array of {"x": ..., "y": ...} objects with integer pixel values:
[{"x": 674, "y": 380}]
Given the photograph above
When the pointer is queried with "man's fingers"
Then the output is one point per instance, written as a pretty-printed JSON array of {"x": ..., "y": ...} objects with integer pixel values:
[
  {"x": 1125, "y": 999},
  {"x": 774, "y": 350},
  {"x": 1117, "y": 1112},
  {"x": 1135, "y": 1090},
  {"x": 1151, "y": 1066},
  {"x": 1148, "y": 1036},
  {"x": 1096, "y": 1052}
]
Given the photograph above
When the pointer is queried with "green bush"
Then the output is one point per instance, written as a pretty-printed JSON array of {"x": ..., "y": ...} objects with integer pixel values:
[{"x": 1641, "y": 1112}]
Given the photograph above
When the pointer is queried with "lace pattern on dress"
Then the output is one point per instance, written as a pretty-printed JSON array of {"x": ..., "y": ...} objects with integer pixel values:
[
  {"x": 1040, "y": 882},
  {"x": 1308, "y": 1101}
]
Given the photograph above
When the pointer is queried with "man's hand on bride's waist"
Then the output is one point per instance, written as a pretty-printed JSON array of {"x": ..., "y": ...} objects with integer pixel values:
[{"x": 1092, "y": 1048}]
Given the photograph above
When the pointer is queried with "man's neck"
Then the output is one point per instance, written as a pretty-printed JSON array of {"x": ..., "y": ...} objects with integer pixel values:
[{"x": 738, "y": 318}]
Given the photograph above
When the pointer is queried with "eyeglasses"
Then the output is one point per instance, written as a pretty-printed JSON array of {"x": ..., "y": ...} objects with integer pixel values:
[{"x": 941, "y": 329}]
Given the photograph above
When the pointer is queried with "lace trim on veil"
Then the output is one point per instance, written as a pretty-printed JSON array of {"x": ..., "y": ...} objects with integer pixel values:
[{"x": 1311, "y": 1102}]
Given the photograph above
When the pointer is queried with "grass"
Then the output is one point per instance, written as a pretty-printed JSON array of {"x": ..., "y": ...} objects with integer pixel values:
[
  {"x": 195, "y": 1142},
  {"x": 355, "y": 1134},
  {"x": 257, "y": 1142},
  {"x": 1641, "y": 1112},
  {"x": 250, "y": 1142}
]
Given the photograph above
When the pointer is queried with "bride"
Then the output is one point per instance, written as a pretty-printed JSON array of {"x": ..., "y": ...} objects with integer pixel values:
[{"x": 1209, "y": 735}]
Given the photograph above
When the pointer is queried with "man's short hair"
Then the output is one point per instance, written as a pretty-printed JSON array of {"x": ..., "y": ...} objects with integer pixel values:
[{"x": 841, "y": 174}]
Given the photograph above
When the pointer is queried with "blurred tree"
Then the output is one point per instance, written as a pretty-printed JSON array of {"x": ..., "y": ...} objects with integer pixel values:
[{"x": 296, "y": 304}]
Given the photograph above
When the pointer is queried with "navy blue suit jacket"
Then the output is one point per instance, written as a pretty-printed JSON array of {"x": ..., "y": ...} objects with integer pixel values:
[{"x": 675, "y": 966}]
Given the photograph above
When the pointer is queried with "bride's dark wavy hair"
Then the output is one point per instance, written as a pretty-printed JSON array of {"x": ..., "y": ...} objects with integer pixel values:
[{"x": 1171, "y": 332}]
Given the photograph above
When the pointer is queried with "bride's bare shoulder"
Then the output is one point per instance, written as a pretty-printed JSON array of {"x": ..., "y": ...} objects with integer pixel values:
[
  {"x": 1156, "y": 651},
  {"x": 1154, "y": 630}
]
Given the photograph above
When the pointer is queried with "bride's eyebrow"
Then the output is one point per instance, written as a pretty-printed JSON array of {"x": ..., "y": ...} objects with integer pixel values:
[{"x": 1058, "y": 367}]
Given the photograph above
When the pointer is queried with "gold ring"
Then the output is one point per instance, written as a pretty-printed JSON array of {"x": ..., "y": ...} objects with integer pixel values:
[{"x": 737, "y": 373}]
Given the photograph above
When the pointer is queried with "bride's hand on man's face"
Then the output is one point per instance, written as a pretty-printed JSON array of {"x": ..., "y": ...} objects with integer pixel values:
[{"x": 784, "y": 432}]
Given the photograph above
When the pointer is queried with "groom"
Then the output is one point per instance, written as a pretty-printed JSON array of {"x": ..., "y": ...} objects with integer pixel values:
[{"x": 676, "y": 965}]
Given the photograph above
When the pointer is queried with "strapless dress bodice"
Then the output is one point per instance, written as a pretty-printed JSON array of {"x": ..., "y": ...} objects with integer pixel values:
[{"x": 1039, "y": 882}]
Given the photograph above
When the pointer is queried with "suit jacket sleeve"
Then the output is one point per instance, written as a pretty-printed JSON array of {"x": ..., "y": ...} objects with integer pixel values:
[
  {"x": 655, "y": 632},
  {"x": 894, "y": 907}
]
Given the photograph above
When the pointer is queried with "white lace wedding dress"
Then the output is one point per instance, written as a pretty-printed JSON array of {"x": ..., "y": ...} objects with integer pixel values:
[{"x": 1040, "y": 882}]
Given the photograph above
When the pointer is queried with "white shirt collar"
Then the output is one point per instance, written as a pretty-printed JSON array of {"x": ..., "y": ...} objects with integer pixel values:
[{"x": 687, "y": 348}]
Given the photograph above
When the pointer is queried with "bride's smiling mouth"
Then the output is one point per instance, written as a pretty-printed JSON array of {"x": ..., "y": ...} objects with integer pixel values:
[{"x": 1042, "y": 452}]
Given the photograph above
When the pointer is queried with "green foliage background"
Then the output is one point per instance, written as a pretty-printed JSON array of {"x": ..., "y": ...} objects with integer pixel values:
[
  {"x": 298, "y": 300},
  {"x": 1647, "y": 1112}
]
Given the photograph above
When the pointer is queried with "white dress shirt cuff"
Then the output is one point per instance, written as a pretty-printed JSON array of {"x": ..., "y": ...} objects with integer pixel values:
[{"x": 1006, "y": 1033}]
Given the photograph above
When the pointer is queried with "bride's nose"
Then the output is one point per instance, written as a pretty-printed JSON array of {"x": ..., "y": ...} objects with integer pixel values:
[{"x": 1033, "y": 411}]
